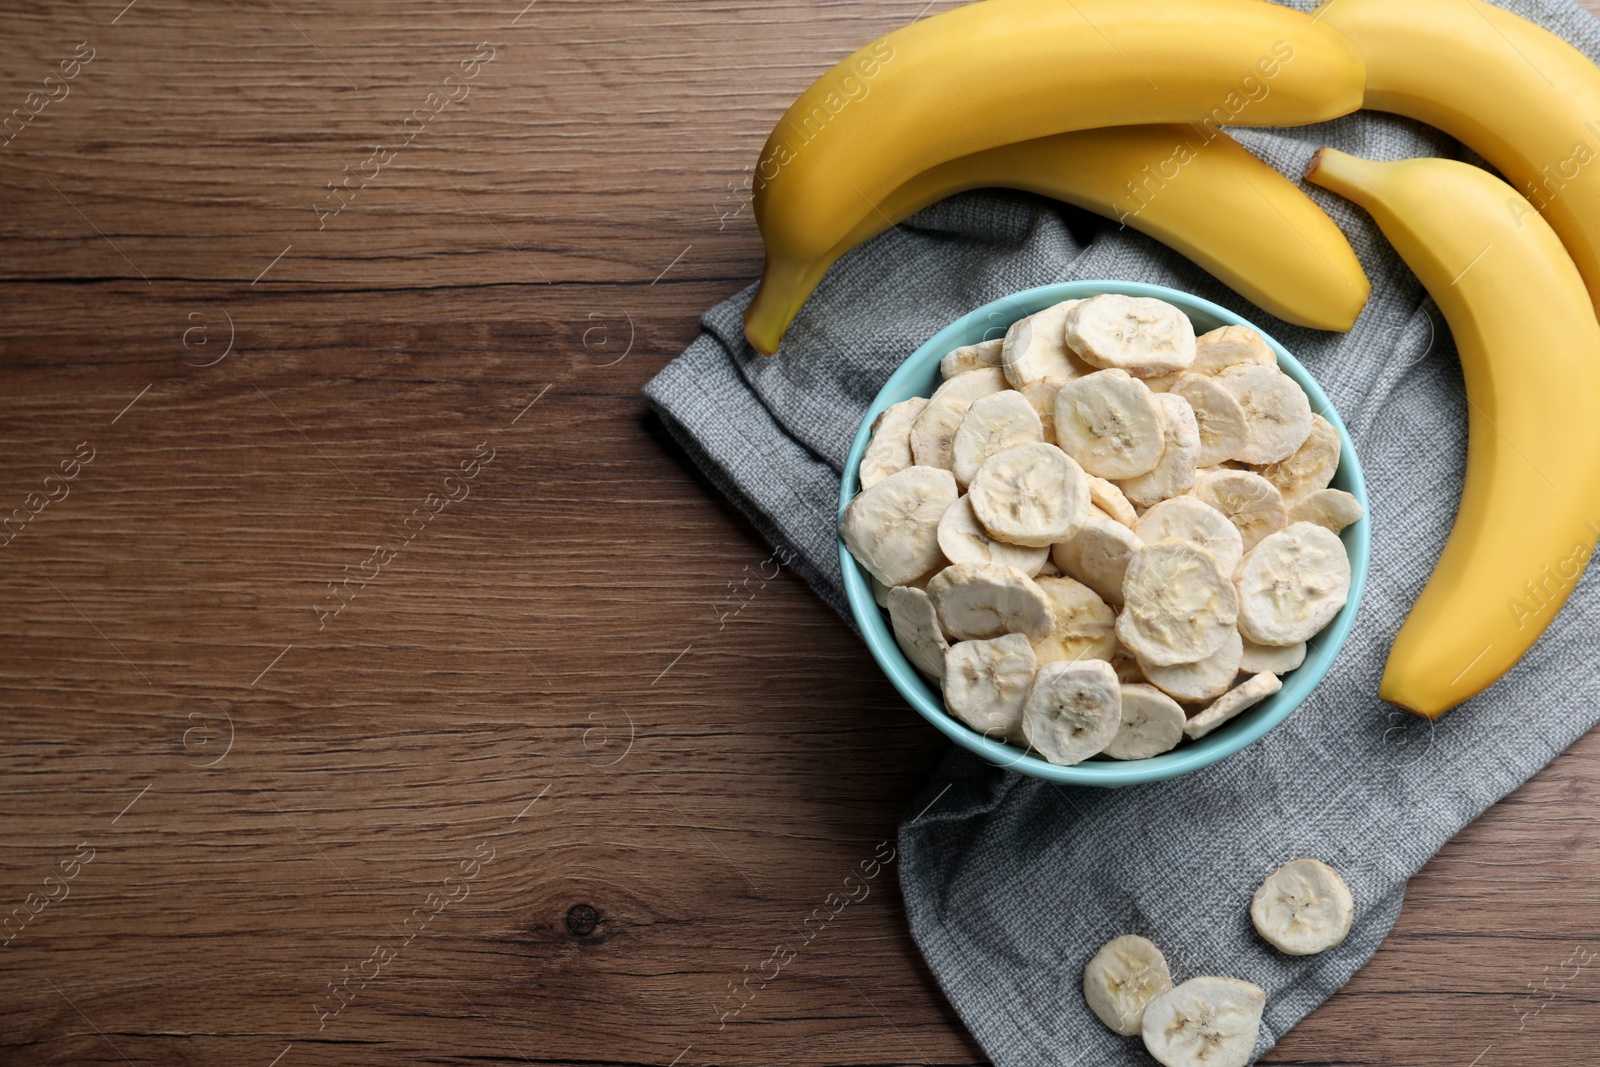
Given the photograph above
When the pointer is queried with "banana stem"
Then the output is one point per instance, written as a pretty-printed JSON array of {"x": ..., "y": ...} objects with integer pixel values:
[{"x": 1350, "y": 176}]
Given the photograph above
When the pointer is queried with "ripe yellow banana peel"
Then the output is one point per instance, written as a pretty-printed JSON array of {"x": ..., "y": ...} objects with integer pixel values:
[
  {"x": 1004, "y": 71},
  {"x": 1193, "y": 188},
  {"x": 1529, "y": 343},
  {"x": 1517, "y": 94}
]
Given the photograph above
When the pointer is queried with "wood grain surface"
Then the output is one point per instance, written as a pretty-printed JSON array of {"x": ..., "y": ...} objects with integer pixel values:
[{"x": 379, "y": 684}]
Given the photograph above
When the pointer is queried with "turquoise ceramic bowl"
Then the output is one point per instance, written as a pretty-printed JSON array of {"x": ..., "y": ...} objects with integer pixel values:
[{"x": 919, "y": 376}]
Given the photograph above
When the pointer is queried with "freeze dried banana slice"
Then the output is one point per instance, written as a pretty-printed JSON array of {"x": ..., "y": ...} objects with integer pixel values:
[
  {"x": 1228, "y": 346},
  {"x": 977, "y": 601},
  {"x": 1152, "y": 723},
  {"x": 986, "y": 682},
  {"x": 1127, "y": 667},
  {"x": 1035, "y": 347},
  {"x": 1174, "y": 471},
  {"x": 916, "y": 629},
  {"x": 1041, "y": 393},
  {"x": 1110, "y": 423},
  {"x": 1031, "y": 495},
  {"x": 1072, "y": 710},
  {"x": 1081, "y": 626},
  {"x": 1139, "y": 334},
  {"x": 1277, "y": 659},
  {"x": 1163, "y": 383},
  {"x": 1303, "y": 908},
  {"x": 1111, "y": 500},
  {"x": 1126, "y": 974},
  {"x": 1207, "y": 679},
  {"x": 992, "y": 424},
  {"x": 1048, "y": 569},
  {"x": 959, "y": 361},
  {"x": 1098, "y": 554},
  {"x": 1332, "y": 509},
  {"x": 1247, "y": 694},
  {"x": 1251, "y": 503},
  {"x": 1220, "y": 418},
  {"x": 1205, "y": 1022},
  {"x": 1292, "y": 584},
  {"x": 892, "y": 529},
  {"x": 1311, "y": 466},
  {"x": 933, "y": 435},
  {"x": 1277, "y": 413},
  {"x": 963, "y": 539},
  {"x": 1178, "y": 607},
  {"x": 1188, "y": 518},
  {"x": 889, "y": 451}
]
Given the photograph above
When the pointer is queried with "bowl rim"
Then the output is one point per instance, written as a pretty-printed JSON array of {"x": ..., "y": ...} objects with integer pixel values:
[{"x": 908, "y": 379}]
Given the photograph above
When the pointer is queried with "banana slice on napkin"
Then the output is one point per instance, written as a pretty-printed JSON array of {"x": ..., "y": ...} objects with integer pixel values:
[
  {"x": 1303, "y": 908},
  {"x": 1126, "y": 974},
  {"x": 1204, "y": 1022}
]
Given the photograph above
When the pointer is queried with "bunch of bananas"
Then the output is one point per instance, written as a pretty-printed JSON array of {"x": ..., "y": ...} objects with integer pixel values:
[{"x": 1117, "y": 106}]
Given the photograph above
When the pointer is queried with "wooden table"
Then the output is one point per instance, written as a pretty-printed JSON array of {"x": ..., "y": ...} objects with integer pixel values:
[{"x": 380, "y": 685}]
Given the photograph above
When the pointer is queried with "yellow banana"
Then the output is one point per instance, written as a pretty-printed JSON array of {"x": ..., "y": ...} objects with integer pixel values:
[
  {"x": 1003, "y": 71},
  {"x": 1520, "y": 96},
  {"x": 1530, "y": 354},
  {"x": 1193, "y": 188}
]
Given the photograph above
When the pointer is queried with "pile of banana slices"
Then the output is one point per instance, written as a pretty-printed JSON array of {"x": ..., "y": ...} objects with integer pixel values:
[
  {"x": 1302, "y": 908},
  {"x": 1103, "y": 534}
]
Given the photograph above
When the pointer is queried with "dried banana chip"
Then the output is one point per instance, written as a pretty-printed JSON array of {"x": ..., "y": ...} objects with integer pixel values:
[
  {"x": 1251, "y": 503},
  {"x": 1292, "y": 584},
  {"x": 1041, "y": 393},
  {"x": 889, "y": 451},
  {"x": 1303, "y": 908},
  {"x": 1098, "y": 554},
  {"x": 977, "y": 601},
  {"x": 1207, "y": 679},
  {"x": 1110, "y": 423},
  {"x": 1188, "y": 518},
  {"x": 1126, "y": 974},
  {"x": 1228, "y": 346},
  {"x": 892, "y": 529},
  {"x": 1152, "y": 723},
  {"x": 1178, "y": 607},
  {"x": 916, "y": 629},
  {"x": 933, "y": 435},
  {"x": 1332, "y": 509},
  {"x": 1205, "y": 1022},
  {"x": 1035, "y": 347},
  {"x": 1275, "y": 659},
  {"x": 1311, "y": 466},
  {"x": 1174, "y": 471},
  {"x": 1081, "y": 626},
  {"x": 1072, "y": 710},
  {"x": 963, "y": 539},
  {"x": 1247, "y": 694},
  {"x": 992, "y": 424},
  {"x": 1224, "y": 432},
  {"x": 970, "y": 357},
  {"x": 986, "y": 682},
  {"x": 1108, "y": 498},
  {"x": 1138, "y": 334},
  {"x": 1031, "y": 495},
  {"x": 1277, "y": 414}
]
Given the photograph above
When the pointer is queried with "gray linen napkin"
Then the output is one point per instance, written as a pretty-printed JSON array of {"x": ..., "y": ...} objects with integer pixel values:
[{"x": 1011, "y": 884}]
